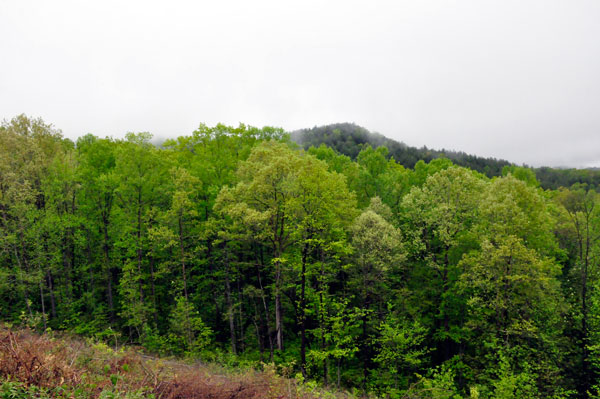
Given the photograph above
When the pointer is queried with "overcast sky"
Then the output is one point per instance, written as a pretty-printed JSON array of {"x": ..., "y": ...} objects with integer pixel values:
[{"x": 518, "y": 80}]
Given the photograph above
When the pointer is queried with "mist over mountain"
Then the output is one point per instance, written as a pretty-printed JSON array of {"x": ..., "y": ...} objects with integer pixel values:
[{"x": 349, "y": 139}]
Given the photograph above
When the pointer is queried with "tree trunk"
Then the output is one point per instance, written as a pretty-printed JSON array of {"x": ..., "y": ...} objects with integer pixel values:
[
  {"x": 266, "y": 310},
  {"x": 322, "y": 312},
  {"x": 106, "y": 206},
  {"x": 446, "y": 320},
  {"x": 259, "y": 327},
  {"x": 107, "y": 267},
  {"x": 241, "y": 317},
  {"x": 22, "y": 263},
  {"x": 339, "y": 375},
  {"x": 52, "y": 298},
  {"x": 229, "y": 302},
  {"x": 139, "y": 244},
  {"x": 152, "y": 286},
  {"x": 182, "y": 257},
  {"x": 43, "y": 304},
  {"x": 303, "y": 311},
  {"x": 278, "y": 308},
  {"x": 584, "y": 313}
]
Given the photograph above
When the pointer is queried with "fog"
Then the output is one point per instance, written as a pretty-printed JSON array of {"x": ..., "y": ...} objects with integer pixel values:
[{"x": 516, "y": 80}]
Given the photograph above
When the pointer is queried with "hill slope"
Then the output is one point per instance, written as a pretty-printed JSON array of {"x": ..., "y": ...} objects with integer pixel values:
[
  {"x": 349, "y": 139},
  {"x": 55, "y": 365}
]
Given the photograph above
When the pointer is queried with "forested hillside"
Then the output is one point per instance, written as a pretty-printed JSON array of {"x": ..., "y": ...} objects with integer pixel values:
[
  {"x": 234, "y": 245},
  {"x": 349, "y": 139}
]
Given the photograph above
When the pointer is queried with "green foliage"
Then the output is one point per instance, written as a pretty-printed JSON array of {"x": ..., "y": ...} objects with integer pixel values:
[
  {"x": 189, "y": 331},
  {"x": 524, "y": 174},
  {"x": 391, "y": 270},
  {"x": 109, "y": 394},
  {"x": 513, "y": 292},
  {"x": 440, "y": 384},
  {"x": 349, "y": 139},
  {"x": 511, "y": 386},
  {"x": 17, "y": 390},
  {"x": 401, "y": 352}
]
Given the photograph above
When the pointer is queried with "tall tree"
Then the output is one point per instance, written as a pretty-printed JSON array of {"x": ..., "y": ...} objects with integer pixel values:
[
  {"x": 97, "y": 203},
  {"x": 580, "y": 232},
  {"x": 378, "y": 251},
  {"x": 320, "y": 211},
  {"x": 260, "y": 202},
  {"x": 438, "y": 221},
  {"x": 140, "y": 173}
]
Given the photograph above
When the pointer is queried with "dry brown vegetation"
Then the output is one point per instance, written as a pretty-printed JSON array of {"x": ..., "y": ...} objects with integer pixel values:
[{"x": 69, "y": 364}]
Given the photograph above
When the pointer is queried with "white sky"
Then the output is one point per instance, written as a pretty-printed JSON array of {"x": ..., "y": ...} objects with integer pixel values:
[{"x": 518, "y": 80}]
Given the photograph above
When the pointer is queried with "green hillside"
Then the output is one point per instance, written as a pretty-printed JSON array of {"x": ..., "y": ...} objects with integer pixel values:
[
  {"x": 233, "y": 246},
  {"x": 349, "y": 139}
]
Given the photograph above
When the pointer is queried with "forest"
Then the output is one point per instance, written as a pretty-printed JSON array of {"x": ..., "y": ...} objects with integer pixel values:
[
  {"x": 349, "y": 139},
  {"x": 236, "y": 245}
]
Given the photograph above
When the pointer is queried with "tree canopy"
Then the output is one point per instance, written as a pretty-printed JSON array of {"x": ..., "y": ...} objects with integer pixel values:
[{"x": 358, "y": 269}]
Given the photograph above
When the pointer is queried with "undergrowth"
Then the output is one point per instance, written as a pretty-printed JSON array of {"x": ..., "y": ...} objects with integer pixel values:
[{"x": 61, "y": 366}]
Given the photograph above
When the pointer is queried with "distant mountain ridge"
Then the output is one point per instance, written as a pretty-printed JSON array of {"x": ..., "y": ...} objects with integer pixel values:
[{"x": 349, "y": 139}]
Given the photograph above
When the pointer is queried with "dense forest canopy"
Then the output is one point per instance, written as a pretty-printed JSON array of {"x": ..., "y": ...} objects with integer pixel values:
[
  {"x": 352, "y": 264},
  {"x": 349, "y": 139}
]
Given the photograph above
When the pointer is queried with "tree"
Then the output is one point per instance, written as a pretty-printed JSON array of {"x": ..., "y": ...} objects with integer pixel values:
[
  {"x": 373, "y": 164},
  {"x": 512, "y": 291},
  {"x": 401, "y": 351},
  {"x": 260, "y": 200},
  {"x": 511, "y": 282},
  {"x": 321, "y": 212},
  {"x": 340, "y": 331},
  {"x": 378, "y": 252},
  {"x": 140, "y": 173},
  {"x": 286, "y": 198},
  {"x": 580, "y": 231},
  {"x": 97, "y": 202},
  {"x": 27, "y": 150},
  {"x": 438, "y": 220},
  {"x": 524, "y": 174},
  {"x": 187, "y": 328}
]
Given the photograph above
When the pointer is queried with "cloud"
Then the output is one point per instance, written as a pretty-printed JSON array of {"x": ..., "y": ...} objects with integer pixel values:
[{"x": 512, "y": 79}]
